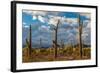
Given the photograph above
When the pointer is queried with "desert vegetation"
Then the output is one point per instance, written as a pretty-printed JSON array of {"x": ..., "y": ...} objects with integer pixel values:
[{"x": 48, "y": 54}]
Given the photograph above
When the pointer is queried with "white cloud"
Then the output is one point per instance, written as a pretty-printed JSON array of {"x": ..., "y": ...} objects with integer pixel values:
[
  {"x": 50, "y": 16},
  {"x": 44, "y": 28},
  {"x": 34, "y": 17},
  {"x": 37, "y": 15},
  {"x": 63, "y": 20},
  {"x": 71, "y": 20},
  {"x": 24, "y": 23},
  {"x": 41, "y": 18},
  {"x": 54, "y": 20},
  {"x": 26, "y": 26}
]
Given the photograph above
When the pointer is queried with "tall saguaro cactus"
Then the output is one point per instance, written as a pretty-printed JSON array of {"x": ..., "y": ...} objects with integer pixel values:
[
  {"x": 56, "y": 31},
  {"x": 30, "y": 40},
  {"x": 80, "y": 36}
]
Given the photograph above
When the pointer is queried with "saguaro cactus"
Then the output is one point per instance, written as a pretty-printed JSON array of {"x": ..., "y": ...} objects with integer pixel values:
[
  {"x": 56, "y": 31},
  {"x": 80, "y": 36},
  {"x": 30, "y": 40},
  {"x": 27, "y": 44}
]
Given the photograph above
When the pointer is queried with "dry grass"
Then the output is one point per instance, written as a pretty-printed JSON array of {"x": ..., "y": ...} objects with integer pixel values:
[{"x": 68, "y": 53}]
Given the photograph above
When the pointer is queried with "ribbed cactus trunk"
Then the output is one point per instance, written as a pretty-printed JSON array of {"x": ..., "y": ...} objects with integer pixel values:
[
  {"x": 56, "y": 31},
  {"x": 80, "y": 36},
  {"x": 30, "y": 40}
]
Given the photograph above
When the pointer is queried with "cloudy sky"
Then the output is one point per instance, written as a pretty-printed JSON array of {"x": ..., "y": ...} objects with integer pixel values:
[{"x": 44, "y": 22}]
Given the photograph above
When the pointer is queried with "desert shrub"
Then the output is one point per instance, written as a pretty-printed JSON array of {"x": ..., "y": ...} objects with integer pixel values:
[
  {"x": 37, "y": 51},
  {"x": 87, "y": 52},
  {"x": 68, "y": 50},
  {"x": 33, "y": 50},
  {"x": 76, "y": 52},
  {"x": 44, "y": 51}
]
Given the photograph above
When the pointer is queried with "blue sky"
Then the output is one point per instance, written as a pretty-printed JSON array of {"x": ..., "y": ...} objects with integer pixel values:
[{"x": 43, "y": 23}]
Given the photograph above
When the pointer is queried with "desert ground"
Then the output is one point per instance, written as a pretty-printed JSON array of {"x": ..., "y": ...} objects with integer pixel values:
[{"x": 48, "y": 54}]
